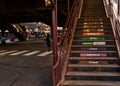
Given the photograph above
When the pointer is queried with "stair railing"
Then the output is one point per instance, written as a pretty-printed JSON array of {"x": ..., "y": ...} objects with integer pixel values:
[
  {"x": 64, "y": 42},
  {"x": 115, "y": 21}
]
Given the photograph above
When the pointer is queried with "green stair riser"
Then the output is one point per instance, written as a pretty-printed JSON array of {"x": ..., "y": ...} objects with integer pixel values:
[{"x": 93, "y": 38}]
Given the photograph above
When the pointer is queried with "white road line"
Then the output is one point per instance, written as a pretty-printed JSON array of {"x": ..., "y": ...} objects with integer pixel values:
[
  {"x": 45, "y": 53},
  {"x": 20, "y": 52},
  {"x": 2, "y": 51},
  {"x": 31, "y": 53},
  {"x": 8, "y": 52}
]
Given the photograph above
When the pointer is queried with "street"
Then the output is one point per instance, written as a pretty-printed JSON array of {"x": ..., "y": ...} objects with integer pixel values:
[{"x": 25, "y": 64}]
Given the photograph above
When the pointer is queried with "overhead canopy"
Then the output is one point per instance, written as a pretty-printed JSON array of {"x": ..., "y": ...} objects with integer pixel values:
[{"x": 19, "y": 11}]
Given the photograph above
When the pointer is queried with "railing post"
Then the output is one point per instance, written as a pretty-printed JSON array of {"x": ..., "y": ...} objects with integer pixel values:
[{"x": 54, "y": 30}]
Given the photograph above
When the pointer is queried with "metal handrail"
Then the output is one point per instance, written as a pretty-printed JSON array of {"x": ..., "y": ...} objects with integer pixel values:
[
  {"x": 64, "y": 42},
  {"x": 115, "y": 24}
]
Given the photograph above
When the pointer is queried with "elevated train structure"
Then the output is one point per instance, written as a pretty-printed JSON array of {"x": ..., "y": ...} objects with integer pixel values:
[{"x": 23, "y": 11}]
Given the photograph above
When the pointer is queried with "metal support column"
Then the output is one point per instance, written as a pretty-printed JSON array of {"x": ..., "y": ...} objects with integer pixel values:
[{"x": 54, "y": 30}]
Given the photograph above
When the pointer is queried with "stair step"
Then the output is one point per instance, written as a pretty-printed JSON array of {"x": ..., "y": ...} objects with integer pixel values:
[
  {"x": 94, "y": 69},
  {"x": 93, "y": 10},
  {"x": 107, "y": 36},
  {"x": 90, "y": 83},
  {"x": 93, "y": 58},
  {"x": 90, "y": 31},
  {"x": 90, "y": 37},
  {"x": 101, "y": 66},
  {"x": 81, "y": 24},
  {"x": 93, "y": 39},
  {"x": 95, "y": 27},
  {"x": 93, "y": 74},
  {"x": 94, "y": 61},
  {"x": 92, "y": 34},
  {"x": 93, "y": 19},
  {"x": 91, "y": 16},
  {"x": 90, "y": 9},
  {"x": 86, "y": 17},
  {"x": 96, "y": 77},
  {"x": 95, "y": 13},
  {"x": 93, "y": 48},
  {"x": 93, "y": 22},
  {"x": 93, "y": 42},
  {"x": 93, "y": 51},
  {"x": 94, "y": 54}
]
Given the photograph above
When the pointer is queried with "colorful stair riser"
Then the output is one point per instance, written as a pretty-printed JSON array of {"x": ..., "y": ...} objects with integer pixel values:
[
  {"x": 87, "y": 35},
  {"x": 93, "y": 38},
  {"x": 93, "y": 54},
  {"x": 94, "y": 34},
  {"x": 93, "y": 49}
]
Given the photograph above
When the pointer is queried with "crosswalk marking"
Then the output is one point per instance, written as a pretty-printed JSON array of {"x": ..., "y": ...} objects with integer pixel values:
[
  {"x": 24, "y": 52},
  {"x": 8, "y": 52},
  {"x": 2, "y": 51},
  {"x": 45, "y": 53},
  {"x": 17, "y": 53},
  {"x": 31, "y": 53}
]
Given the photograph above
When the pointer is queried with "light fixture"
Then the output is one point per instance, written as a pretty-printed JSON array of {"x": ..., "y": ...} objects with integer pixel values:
[{"x": 47, "y": 2}]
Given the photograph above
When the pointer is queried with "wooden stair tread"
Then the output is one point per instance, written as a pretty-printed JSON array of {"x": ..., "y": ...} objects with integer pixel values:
[
  {"x": 90, "y": 83},
  {"x": 93, "y": 73},
  {"x": 93, "y": 58},
  {"x": 93, "y": 65}
]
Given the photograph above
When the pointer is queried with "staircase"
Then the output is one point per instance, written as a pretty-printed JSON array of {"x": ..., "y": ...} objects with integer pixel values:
[{"x": 94, "y": 58}]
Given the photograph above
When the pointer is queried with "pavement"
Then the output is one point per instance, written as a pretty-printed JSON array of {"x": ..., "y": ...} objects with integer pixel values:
[{"x": 25, "y": 70}]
